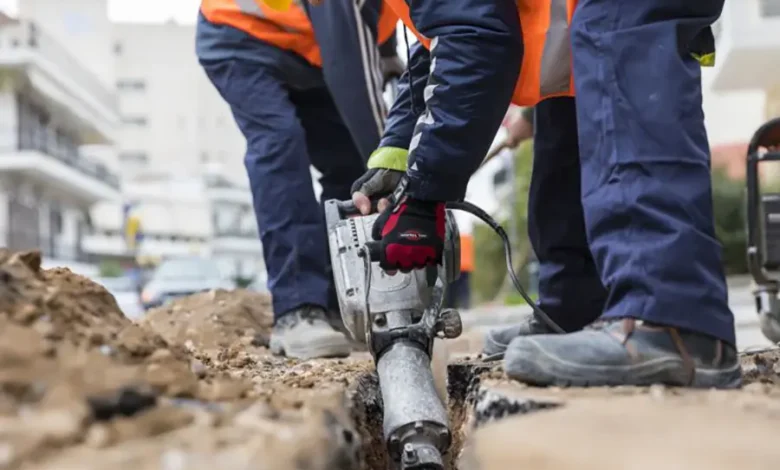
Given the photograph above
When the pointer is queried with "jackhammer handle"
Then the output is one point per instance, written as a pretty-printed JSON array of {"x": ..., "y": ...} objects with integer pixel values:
[
  {"x": 348, "y": 209},
  {"x": 374, "y": 250}
]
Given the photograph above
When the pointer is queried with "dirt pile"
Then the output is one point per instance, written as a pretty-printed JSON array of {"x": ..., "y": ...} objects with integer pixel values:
[
  {"x": 214, "y": 320},
  {"x": 83, "y": 387}
]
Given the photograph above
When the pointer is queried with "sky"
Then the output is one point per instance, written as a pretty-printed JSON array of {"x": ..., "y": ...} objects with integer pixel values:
[{"x": 183, "y": 11}]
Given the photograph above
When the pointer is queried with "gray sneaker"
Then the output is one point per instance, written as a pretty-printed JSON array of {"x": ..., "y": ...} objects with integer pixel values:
[
  {"x": 497, "y": 339},
  {"x": 306, "y": 333}
]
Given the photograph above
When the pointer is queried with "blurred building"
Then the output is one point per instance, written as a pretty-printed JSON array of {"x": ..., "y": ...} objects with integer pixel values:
[
  {"x": 743, "y": 89},
  {"x": 173, "y": 120},
  {"x": 51, "y": 104},
  {"x": 106, "y": 99},
  {"x": 205, "y": 215}
]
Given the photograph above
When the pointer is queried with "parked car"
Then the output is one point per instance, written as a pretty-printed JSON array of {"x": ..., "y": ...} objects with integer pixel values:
[
  {"x": 125, "y": 291},
  {"x": 180, "y": 277}
]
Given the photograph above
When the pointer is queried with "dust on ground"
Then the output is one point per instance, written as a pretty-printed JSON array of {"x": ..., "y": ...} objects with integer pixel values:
[{"x": 83, "y": 387}]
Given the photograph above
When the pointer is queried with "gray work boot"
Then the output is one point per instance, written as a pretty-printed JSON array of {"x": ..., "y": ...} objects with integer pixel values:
[
  {"x": 624, "y": 352},
  {"x": 305, "y": 333},
  {"x": 497, "y": 339}
]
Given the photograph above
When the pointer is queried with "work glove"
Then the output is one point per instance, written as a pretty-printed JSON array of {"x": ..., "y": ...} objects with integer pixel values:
[
  {"x": 386, "y": 167},
  {"x": 410, "y": 231}
]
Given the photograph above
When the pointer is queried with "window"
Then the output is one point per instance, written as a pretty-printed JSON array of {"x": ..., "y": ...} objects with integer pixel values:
[
  {"x": 131, "y": 84},
  {"x": 134, "y": 120},
  {"x": 133, "y": 157}
]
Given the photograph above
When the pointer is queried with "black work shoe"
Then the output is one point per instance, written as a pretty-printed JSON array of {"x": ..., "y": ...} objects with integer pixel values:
[
  {"x": 306, "y": 333},
  {"x": 497, "y": 339},
  {"x": 624, "y": 352}
]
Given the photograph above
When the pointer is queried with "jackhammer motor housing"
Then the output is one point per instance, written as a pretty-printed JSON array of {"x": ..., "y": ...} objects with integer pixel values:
[
  {"x": 763, "y": 229},
  {"x": 397, "y": 317}
]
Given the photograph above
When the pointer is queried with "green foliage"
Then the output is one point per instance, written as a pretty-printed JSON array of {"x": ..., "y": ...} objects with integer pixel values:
[
  {"x": 489, "y": 271},
  {"x": 489, "y": 280},
  {"x": 242, "y": 282},
  {"x": 110, "y": 268},
  {"x": 728, "y": 199}
]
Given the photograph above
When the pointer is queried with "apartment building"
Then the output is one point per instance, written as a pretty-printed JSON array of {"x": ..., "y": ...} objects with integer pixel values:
[
  {"x": 51, "y": 105},
  {"x": 164, "y": 130},
  {"x": 173, "y": 119}
]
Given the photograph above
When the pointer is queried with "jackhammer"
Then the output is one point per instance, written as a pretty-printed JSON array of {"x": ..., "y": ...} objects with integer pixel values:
[
  {"x": 398, "y": 317},
  {"x": 763, "y": 229}
]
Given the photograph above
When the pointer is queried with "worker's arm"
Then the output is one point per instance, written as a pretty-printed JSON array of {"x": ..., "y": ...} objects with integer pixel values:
[
  {"x": 351, "y": 65},
  {"x": 475, "y": 55},
  {"x": 388, "y": 162},
  {"x": 476, "y": 52},
  {"x": 406, "y": 110}
]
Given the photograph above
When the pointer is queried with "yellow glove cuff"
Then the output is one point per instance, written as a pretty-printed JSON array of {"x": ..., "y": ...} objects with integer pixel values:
[{"x": 391, "y": 158}]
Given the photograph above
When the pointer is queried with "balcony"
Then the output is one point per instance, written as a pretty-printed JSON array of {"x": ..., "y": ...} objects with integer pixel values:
[
  {"x": 748, "y": 47},
  {"x": 30, "y": 56},
  {"x": 85, "y": 180}
]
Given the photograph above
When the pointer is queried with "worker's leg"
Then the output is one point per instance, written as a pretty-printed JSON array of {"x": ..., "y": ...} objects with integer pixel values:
[
  {"x": 570, "y": 290},
  {"x": 648, "y": 207},
  {"x": 333, "y": 153},
  {"x": 330, "y": 145},
  {"x": 289, "y": 218}
]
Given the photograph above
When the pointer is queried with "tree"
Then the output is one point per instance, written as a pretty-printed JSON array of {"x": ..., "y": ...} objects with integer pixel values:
[{"x": 728, "y": 201}]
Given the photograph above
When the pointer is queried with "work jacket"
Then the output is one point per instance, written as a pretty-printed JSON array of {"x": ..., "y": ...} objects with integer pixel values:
[
  {"x": 290, "y": 29},
  {"x": 546, "y": 68}
]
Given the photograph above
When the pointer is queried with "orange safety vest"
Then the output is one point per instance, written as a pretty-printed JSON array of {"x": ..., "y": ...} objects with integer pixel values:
[
  {"x": 466, "y": 253},
  {"x": 290, "y": 29},
  {"x": 546, "y": 69}
]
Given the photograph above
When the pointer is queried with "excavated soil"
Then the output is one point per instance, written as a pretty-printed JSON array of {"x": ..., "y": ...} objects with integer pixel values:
[
  {"x": 192, "y": 386},
  {"x": 82, "y": 387}
]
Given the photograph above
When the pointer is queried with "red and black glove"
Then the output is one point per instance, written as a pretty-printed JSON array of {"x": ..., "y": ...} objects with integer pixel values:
[{"x": 411, "y": 233}]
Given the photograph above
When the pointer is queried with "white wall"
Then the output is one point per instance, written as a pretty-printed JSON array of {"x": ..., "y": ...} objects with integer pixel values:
[
  {"x": 82, "y": 26},
  {"x": 9, "y": 122},
  {"x": 188, "y": 124},
  {"x": 733, "y": 117}
]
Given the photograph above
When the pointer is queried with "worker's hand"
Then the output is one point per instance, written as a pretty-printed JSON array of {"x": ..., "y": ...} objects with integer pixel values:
[
  {"x": 385, "y": 168},
  {"x": 392, "y": 67},
  {"x": 411, "y": 233},
  {"x": 518, "y": 130}
]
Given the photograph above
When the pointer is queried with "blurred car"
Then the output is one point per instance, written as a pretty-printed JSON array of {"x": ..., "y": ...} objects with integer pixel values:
[
  {"x": 180, "y": 277},
  {"x": 125, "y": 291}
]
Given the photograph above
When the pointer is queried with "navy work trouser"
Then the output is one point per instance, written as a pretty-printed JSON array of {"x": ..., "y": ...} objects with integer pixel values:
[
  {"x": 286, "y": 130},
  {"x": 640, "y": 200}
]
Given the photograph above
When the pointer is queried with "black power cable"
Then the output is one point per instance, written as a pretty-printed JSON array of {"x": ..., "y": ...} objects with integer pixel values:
[{"x": 477, "y": 212}]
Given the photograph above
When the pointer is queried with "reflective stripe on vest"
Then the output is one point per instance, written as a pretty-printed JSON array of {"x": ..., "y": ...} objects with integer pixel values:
[
  {"x": 290, "y": 30},
  {"x": 555, "y": 68},
  {"x": 546, "y": 69}
]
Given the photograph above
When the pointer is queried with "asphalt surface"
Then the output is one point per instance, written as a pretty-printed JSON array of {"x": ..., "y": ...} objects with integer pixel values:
[{"x": 749, "y": 335}]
